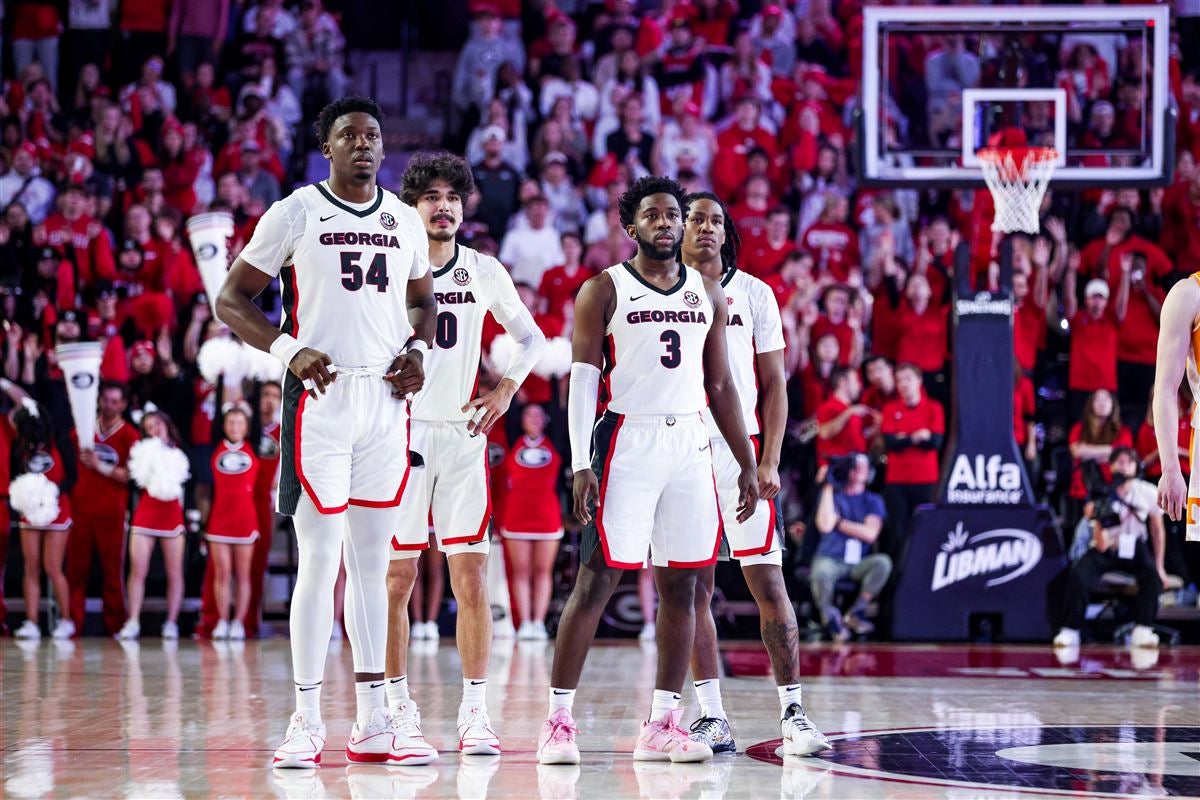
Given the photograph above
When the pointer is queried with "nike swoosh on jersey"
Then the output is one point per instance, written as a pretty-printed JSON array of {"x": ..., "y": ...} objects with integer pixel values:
[
  {"x": 326, "y": 219},
  {"x": 635, "y": 299}
]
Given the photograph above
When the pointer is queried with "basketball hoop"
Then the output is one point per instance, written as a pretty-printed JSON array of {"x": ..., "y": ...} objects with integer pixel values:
[{"x": 1017, "y": 177}]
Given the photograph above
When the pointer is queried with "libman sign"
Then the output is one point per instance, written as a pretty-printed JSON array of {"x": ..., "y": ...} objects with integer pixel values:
[{"x": 993, "y": 557}]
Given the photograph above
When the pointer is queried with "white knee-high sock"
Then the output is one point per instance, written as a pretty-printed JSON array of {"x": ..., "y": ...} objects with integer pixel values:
[
  {"x": 319, "y": 544},
  {"x": 366, "y": 552}
]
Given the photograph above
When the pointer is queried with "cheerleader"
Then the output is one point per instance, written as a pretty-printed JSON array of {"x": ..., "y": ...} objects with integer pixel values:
[
  {"x": 532, "y": 522},
  {"x": 160, "y": 470},
  {"x": 42, "y": 478},
  {"x": 233, "y": 521}
]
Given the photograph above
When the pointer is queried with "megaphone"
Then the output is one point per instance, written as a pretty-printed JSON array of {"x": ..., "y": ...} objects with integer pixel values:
[
  {"x": 209, "y": 234},
  {"x": 80, "y": 363}
]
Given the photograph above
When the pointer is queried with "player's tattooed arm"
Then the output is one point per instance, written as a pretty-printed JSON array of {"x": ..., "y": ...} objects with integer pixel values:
[
  {"x": 236, "y": 308},
  {"x": 594, "y": 307},
  {"x": 724, "y": 404}
]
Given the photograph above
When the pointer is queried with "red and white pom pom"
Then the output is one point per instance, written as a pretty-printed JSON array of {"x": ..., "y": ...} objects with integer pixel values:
[
  {"x": 222, "y": 356},
  {"x": 556, "y": 359},
  {"x": 158, "y": 468},
  {"x": 34, "y": 497}
]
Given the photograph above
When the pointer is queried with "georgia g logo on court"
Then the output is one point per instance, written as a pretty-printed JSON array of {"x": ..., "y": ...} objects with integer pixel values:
[
  {"x": 691, "y": 299},
  {"x": 387, "y": 221}
]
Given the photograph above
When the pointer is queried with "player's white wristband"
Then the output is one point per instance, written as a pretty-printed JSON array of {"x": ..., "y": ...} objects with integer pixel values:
[
  {"x": 285, "y": 349},
  {"x": 419, "y": 346}
]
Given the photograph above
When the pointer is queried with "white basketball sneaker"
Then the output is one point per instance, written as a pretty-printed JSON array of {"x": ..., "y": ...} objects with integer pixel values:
[
  {"x": 28, "y": 630},
  {"x": 221, "y": 629},
  {"x": 170, "y": 630},
  {"x": 475, "y": 734},
  {"x": 372, "y": 743},
  {"x": 130, "y": 630},
  {"x": 237, "y": 630},
  {"x": 302, "y": 744},
  {"x": 65, "y": 629},
  {"x": 409, "y": 746},
  {"x": 1067, "y": 637},
  {"x": 1143, "y": 636},
  {"x": 800, "y": 736}
]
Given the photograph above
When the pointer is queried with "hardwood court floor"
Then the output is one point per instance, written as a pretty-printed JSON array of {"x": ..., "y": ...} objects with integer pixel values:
[{"x": 94, "y": 718}]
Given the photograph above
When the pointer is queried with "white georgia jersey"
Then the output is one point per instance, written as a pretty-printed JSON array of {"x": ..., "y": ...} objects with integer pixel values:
[
  {"x": 467, "y": 288},
  {"x": 343, "y": 270},
  {"x": 753, "y": 327},
  {"x": 654, "y": 352}
]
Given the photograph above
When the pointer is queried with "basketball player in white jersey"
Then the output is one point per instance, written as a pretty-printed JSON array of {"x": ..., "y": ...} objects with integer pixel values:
[
  {"x": 449, "y": 477},
  {"x": 1178, "y": 355},
  {"x": 658, "y": 329},
  {"x": 755, "y": 336},
  {"x": 360, "y": 314}
]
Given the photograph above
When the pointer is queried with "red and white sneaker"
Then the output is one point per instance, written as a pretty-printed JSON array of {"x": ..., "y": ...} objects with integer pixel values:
[
  {"x": 475, "y": 734},
  {"x": 664, "y": 740},
  {"x": 302, "y": 744},
  {"x": 556, "y": 742},
  {"x": 372, "y": 743},
  {"x": 409, "y": 747}
]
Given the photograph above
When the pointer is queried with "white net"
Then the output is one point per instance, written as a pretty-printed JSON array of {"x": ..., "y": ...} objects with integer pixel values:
[{"x": 1017, "y": 178}]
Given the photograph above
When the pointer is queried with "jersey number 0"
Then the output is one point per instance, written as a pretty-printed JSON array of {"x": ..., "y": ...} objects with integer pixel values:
[{"x": 352, "y": 274}]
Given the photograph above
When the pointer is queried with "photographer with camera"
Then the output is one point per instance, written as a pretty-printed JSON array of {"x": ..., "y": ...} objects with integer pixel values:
[
  {"x": 1122, "y": 514},
  {"x": 849, "y": 519}
]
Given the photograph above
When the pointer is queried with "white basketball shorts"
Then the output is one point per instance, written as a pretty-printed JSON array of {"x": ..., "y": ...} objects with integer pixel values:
[
  {"x": 657, "y": 492},
  {"x": 449, "y": 484},
  {"x": 758, "y": 540}
]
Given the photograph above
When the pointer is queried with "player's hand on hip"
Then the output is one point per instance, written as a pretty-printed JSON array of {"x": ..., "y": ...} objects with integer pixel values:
[
  {"x": 487, "y": 409},
  {"x": 407, "y": 374},
  {"x": 768, "y": 481},
  {"x": 747, "y": 494},
  {"x": 586, "y": 491},
  {"x": 312, "y": 367},
  {"x": 1172, "y": 494}
]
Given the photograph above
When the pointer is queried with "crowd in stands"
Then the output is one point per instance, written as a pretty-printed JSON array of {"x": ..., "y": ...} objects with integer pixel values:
[{"x": 119, "y": 121}]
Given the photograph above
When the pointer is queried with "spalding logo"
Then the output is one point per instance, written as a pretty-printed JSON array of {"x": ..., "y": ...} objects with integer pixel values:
[
  {"x": 83, "y": 380},
  {"x": 234, "y": 462},
  {"x": 533, "y": 457},
  {"x": 207, "y": 250},
  {"x": 1011, "y": 552},
  {"x": 40, "y": 462}
]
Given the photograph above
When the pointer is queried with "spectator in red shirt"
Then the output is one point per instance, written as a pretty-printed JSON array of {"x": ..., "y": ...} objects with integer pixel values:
[
  {"x": 730, "y": 168},
  {"x": 764, "y": 256},
  {"x": 1094, "y": 331},
  {"x": 100, "y": 500},
  {"x": 560, "y": 284},
  {"x": 843, "y": 423},
  {"x": 80, "y": 237},
  {"x": 750, "y": 213},
  {"x": 1147, "y": 446},
  {"x": 935, "y": 257},
  {"x": 881, "y": 382},
  {"x": 913, "y": 427},
  {"x": 180, "y": 166},
  {"x": 1029, "y": 314},
  {"x": 1094, "y": 438},
  {"x": 36, "y": 28},
  {"x": 794, "y": 272},
  {"x": 922, "y": 328},
  {"x": 1181, "y": 223},
  {"x": 832, "y": 242},
  {"x": 835, "y": 318},
  {"x": 816, "y": 376}
]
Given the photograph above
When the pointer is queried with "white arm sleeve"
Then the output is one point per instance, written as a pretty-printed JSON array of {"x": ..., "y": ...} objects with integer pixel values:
[
  {"x": 518, "y": 322},
  {"x": 581, "y": 412}
]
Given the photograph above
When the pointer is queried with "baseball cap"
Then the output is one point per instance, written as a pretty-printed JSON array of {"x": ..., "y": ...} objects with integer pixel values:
[
  {"x": 249, "y": 145},
  {"x": 554, "y": 157},
  {"x": 143, "y": 347},
  {"x": 772, "y": 11},
  {"x": 494, "y": 132},
  {"x": 1096, "y": 286}
]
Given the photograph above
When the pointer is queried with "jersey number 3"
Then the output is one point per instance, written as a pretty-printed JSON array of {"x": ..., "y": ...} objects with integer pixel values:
[
  {"x": 671, "y": 340},
  {"x": 352, "y": 274}
]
